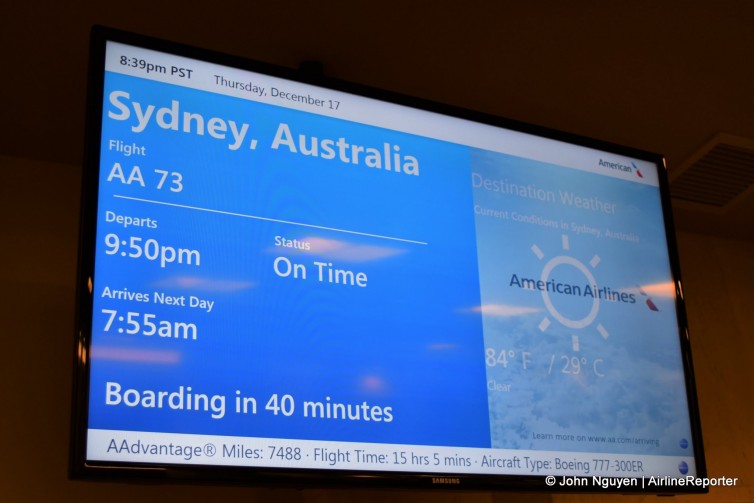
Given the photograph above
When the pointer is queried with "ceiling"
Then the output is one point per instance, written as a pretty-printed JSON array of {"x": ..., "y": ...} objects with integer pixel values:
[{"x": 660, "y": 76}]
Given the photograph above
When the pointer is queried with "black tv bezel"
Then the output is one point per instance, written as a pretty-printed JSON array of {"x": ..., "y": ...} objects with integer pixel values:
[{"x": 79, "y": 467}]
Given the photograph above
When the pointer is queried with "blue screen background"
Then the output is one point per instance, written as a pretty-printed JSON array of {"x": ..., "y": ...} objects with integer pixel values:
[{"x": 415, "y": 341}]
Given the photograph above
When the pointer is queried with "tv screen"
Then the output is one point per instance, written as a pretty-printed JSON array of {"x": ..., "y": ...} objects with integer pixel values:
[{"x": 289, "y": 279}]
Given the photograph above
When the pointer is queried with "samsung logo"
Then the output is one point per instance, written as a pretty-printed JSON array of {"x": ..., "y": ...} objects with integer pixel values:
[{"x": 446, "y": 480}]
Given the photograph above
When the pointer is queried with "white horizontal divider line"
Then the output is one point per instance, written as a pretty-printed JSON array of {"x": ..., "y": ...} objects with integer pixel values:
[{"x": 255, "y": 217}]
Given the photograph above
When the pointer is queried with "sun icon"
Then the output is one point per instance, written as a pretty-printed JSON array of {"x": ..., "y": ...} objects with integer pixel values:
[{"x": 564, "y": 320}]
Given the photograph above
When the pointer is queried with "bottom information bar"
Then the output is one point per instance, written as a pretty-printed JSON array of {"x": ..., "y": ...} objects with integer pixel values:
[{"x": 172, "y": 448}]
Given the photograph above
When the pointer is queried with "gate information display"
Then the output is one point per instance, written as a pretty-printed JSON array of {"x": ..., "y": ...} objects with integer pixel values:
[{"x": 291, "y": 276}]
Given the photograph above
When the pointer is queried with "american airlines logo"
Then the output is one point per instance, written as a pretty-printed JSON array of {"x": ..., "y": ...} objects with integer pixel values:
[{"x": 622, "y": 167}]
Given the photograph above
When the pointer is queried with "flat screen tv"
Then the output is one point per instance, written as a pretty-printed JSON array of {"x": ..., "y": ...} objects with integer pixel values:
[{"x": 286, "y": 279}]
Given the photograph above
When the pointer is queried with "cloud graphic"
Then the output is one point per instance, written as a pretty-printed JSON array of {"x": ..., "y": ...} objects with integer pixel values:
[
  {"x": 203, "y": 284},
  {"x": 504, "y": 311},
  {"x": 662, "y": 290},
  {"x": 135, "y": 355},
  {"x": 666, "y": 289},
  {"x": 442, "y": 346},
  {"x": 334, "y": 249}
]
